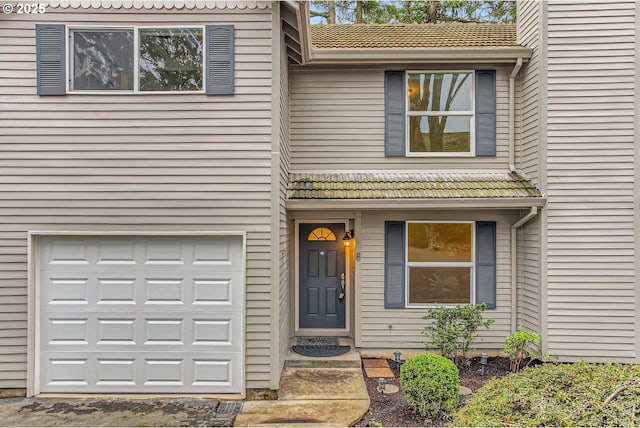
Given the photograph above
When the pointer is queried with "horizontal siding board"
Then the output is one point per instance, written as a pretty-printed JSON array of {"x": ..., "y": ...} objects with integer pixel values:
[
  {"x": 153, "y": 162},
  {"x": 338, "y": 123},
  {"x": 407, "y": 324}
]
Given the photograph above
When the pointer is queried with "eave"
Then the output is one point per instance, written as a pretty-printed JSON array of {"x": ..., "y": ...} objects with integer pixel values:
[
  {"x": 390, "y": 204},
  {"x": 419, "y": 55}
]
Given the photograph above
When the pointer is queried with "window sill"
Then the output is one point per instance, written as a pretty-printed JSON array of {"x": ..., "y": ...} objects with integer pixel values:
[
  {"x": 130, "y": 93},
  {"x": 440, "y": 155}
]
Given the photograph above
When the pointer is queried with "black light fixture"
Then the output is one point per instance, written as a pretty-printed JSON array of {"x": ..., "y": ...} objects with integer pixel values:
[
  {"x": 382, "y": 382},
  {"x": 483, "y": 362},
  {"x": 348, "y": 236}
]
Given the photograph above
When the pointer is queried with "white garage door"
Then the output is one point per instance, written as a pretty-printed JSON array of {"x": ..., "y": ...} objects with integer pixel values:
[{"x": 140, "y": 314}]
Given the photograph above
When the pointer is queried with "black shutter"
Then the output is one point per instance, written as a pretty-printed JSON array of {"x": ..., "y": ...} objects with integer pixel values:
[
  {"x": 50, "y": 59},
  {"x": 394, "y": 114},
  {"x": 486, "y": 263},
  {"x": 394, "y": 264},
  {"x": 486, "y": 113},
  {"x": 220, "y": 73}
]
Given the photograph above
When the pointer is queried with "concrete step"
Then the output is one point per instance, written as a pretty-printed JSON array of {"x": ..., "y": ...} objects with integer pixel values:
[{"x": 349, "y": 360}]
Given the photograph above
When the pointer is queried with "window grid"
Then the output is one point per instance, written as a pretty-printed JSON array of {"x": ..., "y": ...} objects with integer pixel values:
[
  {"x": 136, "y": 54},
  {"x": 470, "y": 265},
  {"x": 470, "y": 113}
]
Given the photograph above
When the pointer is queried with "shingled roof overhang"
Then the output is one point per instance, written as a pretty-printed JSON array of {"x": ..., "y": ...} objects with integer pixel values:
[
  {"x": 403, "y": 43},
  {"x": 451, "y": 190}
]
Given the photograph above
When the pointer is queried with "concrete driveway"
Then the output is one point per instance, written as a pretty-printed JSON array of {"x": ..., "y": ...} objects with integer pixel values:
[{"x": 121, "y": 412}]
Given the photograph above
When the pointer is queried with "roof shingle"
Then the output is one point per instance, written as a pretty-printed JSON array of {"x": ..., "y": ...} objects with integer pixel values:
[
  {"x": 432, "y": 185},
  {"x": 394, "y": 36}
]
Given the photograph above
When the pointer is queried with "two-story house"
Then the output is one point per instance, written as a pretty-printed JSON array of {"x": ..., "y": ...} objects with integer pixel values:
[{"x": 188, "y": 185}]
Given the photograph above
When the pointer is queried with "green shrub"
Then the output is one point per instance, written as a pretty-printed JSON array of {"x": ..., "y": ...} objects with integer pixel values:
[
  {"x": 430, "y": 384},
  {"x": 453, "y": 329},
  {"x": 520, "y": 345},
  {"x": 580, "y": 394}
]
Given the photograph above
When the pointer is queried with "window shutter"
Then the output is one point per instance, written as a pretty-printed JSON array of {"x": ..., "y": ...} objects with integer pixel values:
[
  {"x": 486, "y": 263},
  {"x": 394, "y": 114},
  {"x": 486, "y": 113},
  {"x": 50, "y": 59},
  {"x": 220, "y": 73},
  {"x": 394, "y": 265}
]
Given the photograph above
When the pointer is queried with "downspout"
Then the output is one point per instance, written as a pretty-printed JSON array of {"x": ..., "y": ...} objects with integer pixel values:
[
  {"x": 512, "y": 115},
  {"x": 514, "y": 274}
]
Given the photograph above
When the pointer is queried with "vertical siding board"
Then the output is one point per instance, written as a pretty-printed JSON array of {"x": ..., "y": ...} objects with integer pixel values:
[
  {"x": 528, "y": 145},
  {"x": 590, "y": 144},
  {"x": 285, "y": 233},
  {"x": 136, "y": 162}
]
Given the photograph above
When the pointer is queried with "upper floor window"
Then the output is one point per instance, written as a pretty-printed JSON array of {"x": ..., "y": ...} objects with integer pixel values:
[
  {"x": 170, "y": 59},
  {"x": 440, "y": 112},
  {"x": 142, "y": 59}
]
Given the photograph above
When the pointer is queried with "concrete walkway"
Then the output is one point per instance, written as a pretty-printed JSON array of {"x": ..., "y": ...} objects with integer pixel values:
[
  {"x": 115, "y": 412},
  {"x": 314, "y": 391}
]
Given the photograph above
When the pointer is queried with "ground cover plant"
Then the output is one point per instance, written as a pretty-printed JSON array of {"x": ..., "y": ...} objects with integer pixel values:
[{"x": 580, "y": 394}]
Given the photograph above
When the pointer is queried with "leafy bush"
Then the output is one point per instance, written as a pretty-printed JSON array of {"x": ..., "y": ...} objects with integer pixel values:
[
  {"x": 453, "y": 330},
  {"x": 430, "y": 384},
  {"x": 520, "y": 345},
  {"x": 579, "y": 394}
]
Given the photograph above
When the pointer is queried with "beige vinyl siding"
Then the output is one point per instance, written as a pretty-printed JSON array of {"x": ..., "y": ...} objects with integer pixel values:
[
  {"x": 407, "y": 324},
  {"x": 591, "y": 284},
  {"x": 528, "y": 278},
  {"x": 529, "y": 148},
  {"x": 337, "y": 123},
  {"x": 285, "y": 238},
  {"x": 135, "y": 162}
]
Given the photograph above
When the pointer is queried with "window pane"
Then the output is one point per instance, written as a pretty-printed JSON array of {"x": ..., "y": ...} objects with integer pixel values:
[
  {"x": 440, "y": 92},
  {"x": 440, "y": 134},
  {"x": 440, "y": 242},
  {"x": 102, "y": 60},
  {"x": 439, "y": 285},
  {"x": 171, "y": 59}
]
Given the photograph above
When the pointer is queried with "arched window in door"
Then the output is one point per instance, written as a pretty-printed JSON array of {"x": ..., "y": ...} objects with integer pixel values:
[{"x": 321, "y": 234}]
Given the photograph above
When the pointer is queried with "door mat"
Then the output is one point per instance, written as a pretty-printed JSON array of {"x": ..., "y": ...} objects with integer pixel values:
[{"x": 319, "y": 347}]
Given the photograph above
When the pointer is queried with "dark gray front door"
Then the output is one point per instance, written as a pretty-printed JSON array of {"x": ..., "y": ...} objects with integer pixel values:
[{"x": 322, "y": 300}]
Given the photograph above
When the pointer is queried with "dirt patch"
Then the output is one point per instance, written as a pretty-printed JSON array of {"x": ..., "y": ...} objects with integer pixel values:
[
  {"x": 393, "y": 410},
  {"x": 114, "y": 412}
]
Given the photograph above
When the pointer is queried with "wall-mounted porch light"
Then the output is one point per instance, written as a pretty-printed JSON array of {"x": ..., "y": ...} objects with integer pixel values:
[{"x": 348, "y": 236}]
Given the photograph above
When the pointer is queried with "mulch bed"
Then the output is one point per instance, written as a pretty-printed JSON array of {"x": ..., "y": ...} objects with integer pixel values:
[{"x": 393, "y": 411}]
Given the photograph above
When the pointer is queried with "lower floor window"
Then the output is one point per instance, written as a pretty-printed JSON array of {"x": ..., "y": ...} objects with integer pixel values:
[{"x": 440, "y": 263}]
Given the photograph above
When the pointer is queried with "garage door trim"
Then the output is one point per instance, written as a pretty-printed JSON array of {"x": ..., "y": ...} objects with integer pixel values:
[{"x": 33, "y": 292}]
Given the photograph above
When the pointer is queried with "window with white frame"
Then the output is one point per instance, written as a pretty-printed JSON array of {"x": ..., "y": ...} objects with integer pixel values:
[
  {"x": 440, "y": 263},
  {"x": 137, "y": 59},
  {"x": 440, "y": 113}
]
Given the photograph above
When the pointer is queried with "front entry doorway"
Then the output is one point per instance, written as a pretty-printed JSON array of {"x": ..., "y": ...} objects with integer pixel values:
[{"x": 322, "y": 276}]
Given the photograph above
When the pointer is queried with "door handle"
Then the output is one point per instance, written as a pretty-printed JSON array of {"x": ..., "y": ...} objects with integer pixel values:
[{"x": 342, "y": 287}]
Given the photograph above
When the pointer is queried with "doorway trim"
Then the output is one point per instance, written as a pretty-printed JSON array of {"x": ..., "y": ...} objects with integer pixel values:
[{"x": 343, "y": 332}]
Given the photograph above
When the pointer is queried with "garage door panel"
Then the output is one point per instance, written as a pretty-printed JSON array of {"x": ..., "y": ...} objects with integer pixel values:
[
  {"x": 70, "y": 253},
  {"x": 141, "y": 314},
  {"x": 151, "y": 331},
  {"x": 203, "y": 289},
  {"x": 121, "y": 371},
  {"x": 222, "y": 288}
]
